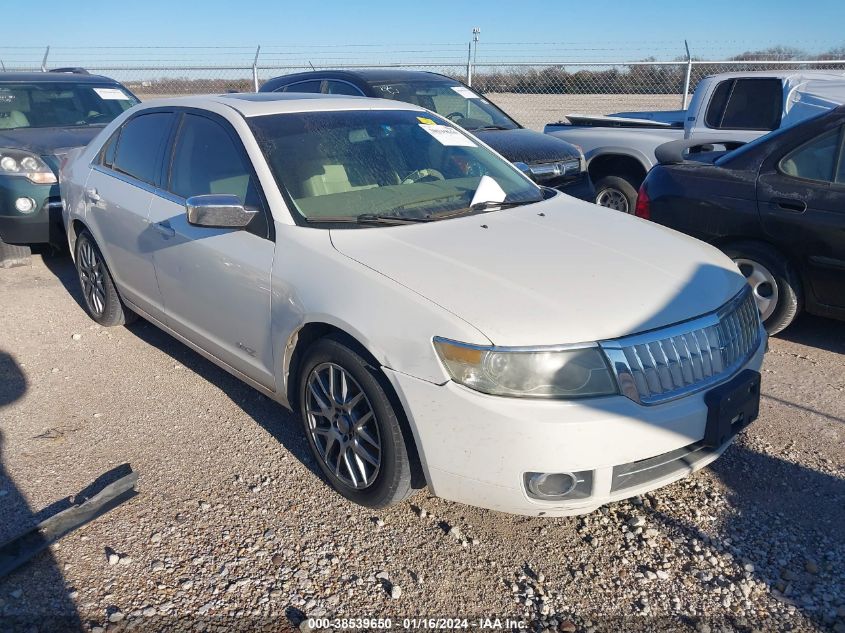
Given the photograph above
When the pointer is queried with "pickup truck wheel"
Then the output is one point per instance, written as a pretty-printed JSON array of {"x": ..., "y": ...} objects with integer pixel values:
[
  {"x": 351, "y": 426},
  {"x": 615, "y": 192},
  {"x": 774, "y": 283},
  {"x": 102, "y": 302}
]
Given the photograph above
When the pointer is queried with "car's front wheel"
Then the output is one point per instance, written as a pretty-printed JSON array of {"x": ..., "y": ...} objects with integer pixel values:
[
  {"x": 352, "y": 428},
  {"x": 102, "y": 302}
]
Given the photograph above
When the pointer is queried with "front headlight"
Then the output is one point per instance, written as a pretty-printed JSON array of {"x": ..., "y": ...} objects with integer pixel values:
[
  {"x": 528, "y": 372},
  {"x": 15, "y": 162}
]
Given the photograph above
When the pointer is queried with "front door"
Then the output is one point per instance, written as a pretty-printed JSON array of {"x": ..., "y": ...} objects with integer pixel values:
[
  {"x": 215, "y": 282},
  {"x": 801, "y": 199}
]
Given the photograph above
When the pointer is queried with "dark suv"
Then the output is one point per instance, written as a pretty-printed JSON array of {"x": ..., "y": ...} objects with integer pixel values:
[
  {"x": 550, "y": 161},
  {"x": 42, "y": 117}
]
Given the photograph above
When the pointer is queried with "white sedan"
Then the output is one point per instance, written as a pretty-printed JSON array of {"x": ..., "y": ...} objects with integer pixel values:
[{"x": 434, "y": 317}]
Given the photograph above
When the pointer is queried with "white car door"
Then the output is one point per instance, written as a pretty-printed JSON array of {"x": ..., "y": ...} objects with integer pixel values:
[
  {"x": 117, "y": 197},
  {"x": 215, "y": 282}
]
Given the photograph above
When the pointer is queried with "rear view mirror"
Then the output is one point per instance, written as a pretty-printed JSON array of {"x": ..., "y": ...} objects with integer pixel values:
[{"x": 222, "y": 211}]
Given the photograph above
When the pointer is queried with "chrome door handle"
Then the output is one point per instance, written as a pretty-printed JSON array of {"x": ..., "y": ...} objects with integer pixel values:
[
  {"x": 92, "y": 195},
  {"x": 165, "y": 229}
]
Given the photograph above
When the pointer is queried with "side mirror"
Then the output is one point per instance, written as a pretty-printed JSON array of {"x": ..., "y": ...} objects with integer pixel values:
[{"x": 221, "y": 211}]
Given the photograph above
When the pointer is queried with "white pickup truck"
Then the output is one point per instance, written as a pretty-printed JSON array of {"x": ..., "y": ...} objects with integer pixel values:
[{"x": 740, "y": 106}]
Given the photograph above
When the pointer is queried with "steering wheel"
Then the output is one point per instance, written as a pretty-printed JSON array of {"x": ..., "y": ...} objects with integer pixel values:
[
  {"x": 455, "y": 116},
  {"x": 423, "y": 175}
]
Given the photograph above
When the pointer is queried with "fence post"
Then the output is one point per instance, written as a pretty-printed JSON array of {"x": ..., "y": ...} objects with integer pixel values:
[
  {"x": 687, "y": 78},
  {"x": 469, "y": 64},
  {"x": 44, "y": 61},
  {"x": 255, "y": 69}
]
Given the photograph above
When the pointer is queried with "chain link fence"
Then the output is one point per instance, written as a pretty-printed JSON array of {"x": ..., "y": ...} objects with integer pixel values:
[{"x": 534, "y": 91}]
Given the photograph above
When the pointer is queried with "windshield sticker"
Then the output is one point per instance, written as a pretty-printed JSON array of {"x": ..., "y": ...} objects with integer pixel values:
[
  {"x": 466, "y": 93},
  {"x": 448, "y": 136},
  {"x": 425, "y": 121},
  {"x": 111, "y": 94}
]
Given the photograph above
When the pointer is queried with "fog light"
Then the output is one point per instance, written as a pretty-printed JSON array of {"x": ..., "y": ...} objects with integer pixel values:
[
  {"x": 551, "y": 484},
  {"x": 559, "y": 486},
  {"x": 25, "y": 205}
]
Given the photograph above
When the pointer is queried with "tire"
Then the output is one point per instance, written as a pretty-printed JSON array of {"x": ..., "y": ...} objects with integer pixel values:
[
  {"x": 12, "y": 255},
  {"x": 102, "y": 302},
  {"x": 773, "y": 280},
  {"x": 616, "y": 192},
  {"x": 330, "y": 426}
]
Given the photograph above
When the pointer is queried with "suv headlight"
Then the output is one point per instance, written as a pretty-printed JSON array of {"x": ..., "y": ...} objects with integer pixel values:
[
  {"x": 528, "y": 372},
  {"x": 15, "y": 162}
]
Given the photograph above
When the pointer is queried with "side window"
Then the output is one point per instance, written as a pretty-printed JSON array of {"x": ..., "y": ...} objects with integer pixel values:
[
  {"x": 312, "y": 85},
  {"x": 342, "y": 88},
  {"x": 108, "y": 150},
  {"x": 816, "y": 160},
  {"x": 207, "y": 160},
  {"x": 749, "y": 104},
  {"x": 141, "y": 142}
]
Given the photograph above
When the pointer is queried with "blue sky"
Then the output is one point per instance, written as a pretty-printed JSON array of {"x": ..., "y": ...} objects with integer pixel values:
[{"x": 718, "y": 26}]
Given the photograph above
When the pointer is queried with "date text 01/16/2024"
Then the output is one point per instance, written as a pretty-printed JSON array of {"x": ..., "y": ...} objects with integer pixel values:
[{"x": 410, "y": 624}]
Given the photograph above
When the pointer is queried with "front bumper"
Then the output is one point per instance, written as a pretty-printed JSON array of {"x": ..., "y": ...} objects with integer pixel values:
[
  {"x": 476, "y": 448},
  {"x": 580, "y": 187},
  {"x": 43, "y": 225}
]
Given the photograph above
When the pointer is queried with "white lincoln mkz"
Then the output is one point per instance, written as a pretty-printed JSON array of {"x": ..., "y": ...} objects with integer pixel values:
[{"x": 434, "y": 316}]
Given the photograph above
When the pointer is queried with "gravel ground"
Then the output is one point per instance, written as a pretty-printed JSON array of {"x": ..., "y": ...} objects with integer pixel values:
[{"x": 233, "y": 528}]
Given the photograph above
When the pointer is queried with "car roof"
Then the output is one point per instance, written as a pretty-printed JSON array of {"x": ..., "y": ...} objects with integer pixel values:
[
  {"x": 781, "y": 74},
  {"x": 263, "y": 103},
  {"x": 366, "y": 75},
  {"x": 35, "y": 77}
]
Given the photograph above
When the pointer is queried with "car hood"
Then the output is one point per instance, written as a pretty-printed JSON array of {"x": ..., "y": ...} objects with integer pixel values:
[
  {"x": 528, "y": 146},
  {"x": 47, "y": 140},
  {"x": 555, "y": 272}
]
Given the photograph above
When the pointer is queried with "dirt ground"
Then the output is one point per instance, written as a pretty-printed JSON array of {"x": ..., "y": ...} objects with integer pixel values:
[{"x": 234, "y": 529}]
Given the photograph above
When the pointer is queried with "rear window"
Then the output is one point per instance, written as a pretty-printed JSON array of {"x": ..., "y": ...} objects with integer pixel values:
[
  {"x": 61, "y": 104},
  {"x": 140, "y": 146},
  {"x": 746, "y": 104}
]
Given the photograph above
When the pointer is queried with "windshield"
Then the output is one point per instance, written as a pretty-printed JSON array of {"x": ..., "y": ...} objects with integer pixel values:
[
  {"x": 450, "y": 99},
  {"x": 347, "y": 164},
  {"x": 60, "y": 104}
]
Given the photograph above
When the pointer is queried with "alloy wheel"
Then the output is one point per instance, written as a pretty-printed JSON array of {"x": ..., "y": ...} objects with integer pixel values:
[
  {"x": 764, "y": 287},
  {"x": 343, "y": 425},
  {"x": 613, "y": 199},
  {"x": 91, "y": 276}
]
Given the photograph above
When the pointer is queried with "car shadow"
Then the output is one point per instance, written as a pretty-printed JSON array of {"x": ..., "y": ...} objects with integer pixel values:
[
  {"x": 770, "y": 534},
  {"x": 816, "y": 331},
  {"x": 278, "y": 421},
  {"x": 34, "y": 596},
  {"x": 281, "y": 423}
]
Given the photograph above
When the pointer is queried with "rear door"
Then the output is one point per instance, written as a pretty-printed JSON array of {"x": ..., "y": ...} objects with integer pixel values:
[
  {"x": 215, "y": 282},
  {"x": 117, "y": 196},
  {"x": 801, "y": 199}
]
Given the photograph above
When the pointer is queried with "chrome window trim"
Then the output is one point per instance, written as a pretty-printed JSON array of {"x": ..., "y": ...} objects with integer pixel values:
[
  {"x": 130, "y": 180},
  {"x": 614, "y": 351}
]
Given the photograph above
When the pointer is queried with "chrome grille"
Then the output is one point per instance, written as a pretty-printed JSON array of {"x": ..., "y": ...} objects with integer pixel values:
[{"x": 684, "y": 358}]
